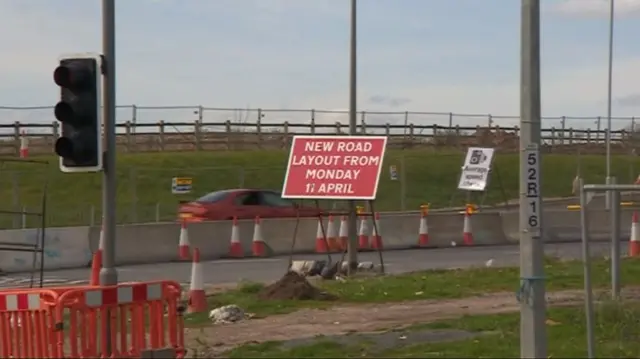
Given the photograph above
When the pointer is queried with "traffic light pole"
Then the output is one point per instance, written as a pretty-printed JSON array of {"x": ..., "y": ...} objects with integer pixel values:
[{"x": 109, "y": 274}]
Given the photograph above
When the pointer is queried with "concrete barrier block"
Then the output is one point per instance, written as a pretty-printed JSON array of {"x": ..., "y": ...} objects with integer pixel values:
[
  {"x": 279, "y": 234},
  {"x": 65, "y": 247},
  {"x": 214, "y": 238},
  {"x": 143, "y": 243}
]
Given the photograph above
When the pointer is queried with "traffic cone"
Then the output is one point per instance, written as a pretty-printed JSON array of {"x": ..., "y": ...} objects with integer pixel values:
[
  {"x": 332, "y": 236},
  {"x": 322, "y": 246},
  {"x": 258, "y": 247},
  {"x": 96, "y": 265},
  {"x": 363, "y": 239},
  {"x": 376, "y": 236},
  {"x": 235, "y": 248},
  {"x": 24, "y": 145},
  {"x": 467, "y": 233},
  {"x": 634, "y": 241},
  {"x": 101, "y": 242},
  {"x": 197, "y": 298},
  {"x": 183, "y": 243},
  {"x": 423, "y": 232},
  {"x": 343, "y": 236}
]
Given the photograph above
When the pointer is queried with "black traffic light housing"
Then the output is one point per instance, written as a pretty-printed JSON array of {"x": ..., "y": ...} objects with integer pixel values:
[{"x": 79, "y": 112}]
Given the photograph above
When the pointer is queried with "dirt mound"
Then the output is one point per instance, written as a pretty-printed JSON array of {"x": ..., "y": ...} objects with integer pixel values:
[{"x": 293, "y": 286}]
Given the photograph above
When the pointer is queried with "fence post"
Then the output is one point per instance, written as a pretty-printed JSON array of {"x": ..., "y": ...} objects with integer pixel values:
[
  {"x": 24, "y": 217},
  {"x": 259, "y": 127},
  {"x": 363, "y": 121},
  {"x": 450, "y": 120},
  {"x": 285, "y": 137},
  {"x": 157, "y": 212},
  {"x": 134, "y": 117},
  {"x": 403, "y": 183},
  {"x": 197, "y": 132},
  {"x": 16, "y": 198},
  {"x": 92, "y": 214},
  {"x": 161, "y": 138},
  {"x": 563, "y": 124},
  {"x": 16, "y": 137},
  {"x": 241, "y": 177},
  {"x": 313, "y": 122},
  {"x": 133, "y": 180}
]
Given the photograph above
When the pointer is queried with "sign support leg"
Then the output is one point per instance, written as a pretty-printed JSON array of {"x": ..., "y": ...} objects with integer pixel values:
[
  {"x": 377, "y": 231},
  {"x": 352, "y": 249}
]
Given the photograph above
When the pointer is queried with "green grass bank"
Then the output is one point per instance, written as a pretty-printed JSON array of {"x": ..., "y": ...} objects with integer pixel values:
[{"x": 144, "y": 182}]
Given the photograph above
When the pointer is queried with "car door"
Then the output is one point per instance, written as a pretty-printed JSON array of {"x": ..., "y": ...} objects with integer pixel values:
[
  {"x": 247, "y": 205},
  {"x": 274, "y": 206}
]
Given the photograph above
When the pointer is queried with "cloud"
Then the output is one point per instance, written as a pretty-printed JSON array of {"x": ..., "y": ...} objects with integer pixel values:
[
  {"x": 632, "y": 100},
  {"x": 596, "y": 8},
  {"x": 389, "y": 101}
]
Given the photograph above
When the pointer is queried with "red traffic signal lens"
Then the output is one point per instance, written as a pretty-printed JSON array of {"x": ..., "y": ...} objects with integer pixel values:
[{"x": 62, "y": 76}]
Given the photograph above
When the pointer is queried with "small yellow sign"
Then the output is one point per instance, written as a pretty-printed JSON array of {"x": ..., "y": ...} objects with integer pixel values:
[{"x": 181, "y": 185}]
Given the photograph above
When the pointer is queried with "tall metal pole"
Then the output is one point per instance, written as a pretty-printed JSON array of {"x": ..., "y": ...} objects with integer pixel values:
[
  {"x": 108, "y": 273},
  {"x": 533, "y": 341},
  {"x": 609, "y": 95},
  {"x": 353, "y": 103}
]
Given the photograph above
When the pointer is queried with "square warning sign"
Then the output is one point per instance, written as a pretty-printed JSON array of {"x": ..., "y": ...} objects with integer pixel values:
[{"x": 334, "y": 167}]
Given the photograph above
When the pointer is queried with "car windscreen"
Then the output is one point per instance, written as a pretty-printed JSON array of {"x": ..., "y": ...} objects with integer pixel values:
[{"x": 213, "y": 197}]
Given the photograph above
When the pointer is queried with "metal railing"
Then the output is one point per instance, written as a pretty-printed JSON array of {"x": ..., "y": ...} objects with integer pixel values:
[{"x": 179, "y": 128}]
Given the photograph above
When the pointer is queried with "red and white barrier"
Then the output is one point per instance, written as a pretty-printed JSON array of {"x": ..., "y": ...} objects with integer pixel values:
[
  {"x": 467, "y": 231},
  {"x": 123, "y": 294},
  {"x": 363, "y": 238},
  {"x": 183, "y": 242},
  {"x": 634, "y": 240},
  {"x": 24, "y": 145},
  {"x": 423, "y": 231},
  {"x": 376, "y": 236},
  {"x": 96, "y": 266},
  {"x": 235, "y": 246},
  {"x": 258, "y": 247},
  {"x": 197, "y": 298},
  {"x": 19, "y": 301},
  {"x": 343, "y": 235}
]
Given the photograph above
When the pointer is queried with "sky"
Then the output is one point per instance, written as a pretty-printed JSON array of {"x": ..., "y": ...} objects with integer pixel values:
[{"x": 437, "y": 56}]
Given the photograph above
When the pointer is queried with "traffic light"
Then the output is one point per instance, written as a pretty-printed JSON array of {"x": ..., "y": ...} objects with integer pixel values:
[{"x": 79, "y": 112}]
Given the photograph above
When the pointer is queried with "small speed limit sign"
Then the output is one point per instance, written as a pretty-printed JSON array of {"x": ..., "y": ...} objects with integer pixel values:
[{"x": 532, "y": 189}]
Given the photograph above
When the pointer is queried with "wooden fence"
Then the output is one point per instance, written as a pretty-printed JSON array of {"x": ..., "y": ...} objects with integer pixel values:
[{"x": 206, "y": 136}]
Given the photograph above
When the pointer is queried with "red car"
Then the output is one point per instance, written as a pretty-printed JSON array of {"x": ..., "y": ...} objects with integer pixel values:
[{"x": 243, "y": 204}]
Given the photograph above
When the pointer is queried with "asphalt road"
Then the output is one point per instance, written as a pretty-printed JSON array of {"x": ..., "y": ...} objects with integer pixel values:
[{"x": 225, "y": 272}]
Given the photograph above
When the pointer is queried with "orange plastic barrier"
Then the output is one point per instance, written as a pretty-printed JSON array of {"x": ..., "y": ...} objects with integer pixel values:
[
  {"x": 118, "y": 321},
  {"x": 27, "y": 320}
]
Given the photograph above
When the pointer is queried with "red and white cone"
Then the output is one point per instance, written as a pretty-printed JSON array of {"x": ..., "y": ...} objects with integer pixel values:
[
  {"x": 96, "y": 266},
  {"x": 101, "y": 242},
  {"x": 183, "y": 243},
  {"x": 376, "y": 236},
  {"x": 322, "y": 246},
  {"x": 235, "y": 247},
  {"x": 24, "y": 145},
  {"x": 634, "y": 241},
  {"x": 258, "y": 247},
  {"x": 197, "y": 298},
  {"x": 343, "y": 236},
  {"x": 332, "y": 235},
  {"x": 423, "y": 232},
  {"x": 467, "y": 232},
  {"x": 363, "y": 238}
]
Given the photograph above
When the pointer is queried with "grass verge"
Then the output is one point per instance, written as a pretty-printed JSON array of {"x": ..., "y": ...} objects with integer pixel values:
[
  {"x": 144, "y": 181},
  {"x": 617, "y": 326},
  {"x": 433, "y": 284}
]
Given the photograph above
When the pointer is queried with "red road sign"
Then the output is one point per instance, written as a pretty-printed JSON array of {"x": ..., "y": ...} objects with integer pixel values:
[{"x": 334, "y": 167}]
